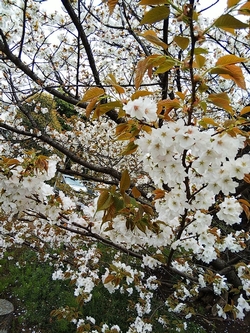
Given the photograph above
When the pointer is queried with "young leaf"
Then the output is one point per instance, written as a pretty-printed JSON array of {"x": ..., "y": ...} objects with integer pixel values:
[
  {"x": 136, "y": 193},
  {"x": 166, "y": 66},
  {"x": 156, "y": 14},
  {"x": 231, "y": 72},
  {"x": 109, "y": 278},
  {"x": 245, "y": 9},
  {"x": 228, "y": 21},
  {"x": 111, "y": 5},
  {"x": 200, "y": 60},
  {"x": 232, "y": 3},
  {"x": 245, "y": 110},
  {"x": 151, "y": 36},
  {"x": 221, "y": 100},
  {"x": 141, "y": 69},
  {"x": 125, "y": 181},
  {"x": 235, "y": 74},
  {"x": 111, "y": 80},
  {"x": 182, "y": 42},
  {"x": 208, "y": 121},
  {"x": 229, "y": 60},
  {"x": 110, "y": 106},
  {"x": 104, "y": 201},
  {"x": 90, "y": 106},
  {"x": 92, "y": 93},
  {"x": 151, "y": 2},
  {"x": 130, "y": 149},
  {"x": 140, "y": 93},
  {"x": 200, "y": 50}
]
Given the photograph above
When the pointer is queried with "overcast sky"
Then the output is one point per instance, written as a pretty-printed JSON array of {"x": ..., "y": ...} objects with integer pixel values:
[{"x": 214, "y": 12}]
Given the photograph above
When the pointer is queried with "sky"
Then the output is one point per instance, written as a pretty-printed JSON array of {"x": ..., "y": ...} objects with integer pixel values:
[{"x": 214, "y": 12}]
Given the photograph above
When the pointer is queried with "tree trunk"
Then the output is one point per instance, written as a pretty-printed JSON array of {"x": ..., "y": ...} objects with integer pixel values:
[{"x": 6, "y": 315}]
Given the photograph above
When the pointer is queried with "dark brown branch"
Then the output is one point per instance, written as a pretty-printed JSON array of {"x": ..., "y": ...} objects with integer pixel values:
[
  {"x": 23, "y": 30},
  {"x": 84, "y": 40}
]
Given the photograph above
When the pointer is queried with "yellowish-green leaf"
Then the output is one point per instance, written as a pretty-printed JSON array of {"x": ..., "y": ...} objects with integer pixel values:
[
  {"x": 232, "y": 3},
  {"x": 203, "y": 106},
  {"x": 92, "y": 93},
  {"x": 121, "y": 128},
  {"x": 228, "y": 21},
  {"x": 220, "y": 70},
  {"x": 166, "y": 66},
  {"x": 181, "y": 95},
  {"x": 151, "y": 2},
  {"x": 147, "y": 129},
  {"x": 125, "y": 136},
  {"x": 245, "y": 110},
  {"x": 110, "y": 106},
  {"x": 140, "y": 93},
  {"x": 155, "y": 14},
  {"x": 245, "y": 9},
  {"x": 209, "y": 121},
  {"x": 200, "y": 50},
  {"x": 228, "y": 308},
  {"x": 152, "y": 37},
  {"x": 130, "y": 149},
  {"x": 229, "y": 60},
  {"x": 200, "y": 60},
  {"x": 221, "y": 100},
  {"x": 105, "y": 200},
  {"x": 141, "y": 226},
  {"x": 182, "y": 42}
]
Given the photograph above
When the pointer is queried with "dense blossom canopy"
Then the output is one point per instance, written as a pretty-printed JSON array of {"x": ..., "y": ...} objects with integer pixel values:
[{"x": 147, "y": 103}]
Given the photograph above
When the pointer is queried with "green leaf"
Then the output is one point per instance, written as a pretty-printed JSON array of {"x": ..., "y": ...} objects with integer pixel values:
[
  {"x": 182, "y": 42},
  {"x": 200, "y": 50},
  {"x": 125, "y": 181},
  {"x": 130, "y": 149},
  {"x": 208, "y": 121},
  {"x": 200, "y": 60},
  {"x": 152, "y": 37},
  {"x": 110, "y": 106},
  {"x": 105, "y": 200},
  {"x": 151, "y": 2},
  {"x": 155, "y": 15},
  {"x": 228, "y": 21},
  {"x": 166, "y": 66}
]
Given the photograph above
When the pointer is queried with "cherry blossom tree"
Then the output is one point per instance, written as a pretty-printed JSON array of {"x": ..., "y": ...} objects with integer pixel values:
[{"x": 149, "y": 103}]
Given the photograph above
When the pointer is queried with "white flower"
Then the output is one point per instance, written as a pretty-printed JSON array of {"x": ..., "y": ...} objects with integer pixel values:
[
  {"x": 230, "y": 210},
  {"x": 142, "y": 108}
]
